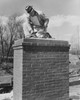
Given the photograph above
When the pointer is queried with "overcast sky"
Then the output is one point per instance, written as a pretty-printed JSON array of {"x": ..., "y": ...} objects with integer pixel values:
[
  {"x": 50, "y": 7},
  {"x": 64, "y": 14}
]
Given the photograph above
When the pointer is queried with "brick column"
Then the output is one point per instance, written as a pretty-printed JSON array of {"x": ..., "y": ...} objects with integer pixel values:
[{"x": 41, "y": 69}]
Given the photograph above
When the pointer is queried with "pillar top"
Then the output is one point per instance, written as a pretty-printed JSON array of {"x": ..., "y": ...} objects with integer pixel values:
[{"x": 40, "y": 42}]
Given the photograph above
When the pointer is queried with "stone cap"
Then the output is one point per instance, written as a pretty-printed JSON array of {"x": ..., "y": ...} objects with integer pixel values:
[{"x": 40, "y": 42}]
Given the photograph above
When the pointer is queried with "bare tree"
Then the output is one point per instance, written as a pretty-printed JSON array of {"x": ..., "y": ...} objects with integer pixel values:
[
  {"x": 15, "y": 30},
  {"x": 12, "y": 31},
  {"x": 2, "y": 33}
]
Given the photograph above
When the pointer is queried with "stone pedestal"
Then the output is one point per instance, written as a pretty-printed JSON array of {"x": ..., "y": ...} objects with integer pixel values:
[{"x": 41, "y": 69}]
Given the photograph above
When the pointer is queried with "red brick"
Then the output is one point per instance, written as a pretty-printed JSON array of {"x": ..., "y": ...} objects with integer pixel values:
[{"x": 43, "y": 69}]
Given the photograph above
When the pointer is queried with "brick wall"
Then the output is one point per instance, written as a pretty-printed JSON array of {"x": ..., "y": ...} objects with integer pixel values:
[{"x": 41, "y": 69}]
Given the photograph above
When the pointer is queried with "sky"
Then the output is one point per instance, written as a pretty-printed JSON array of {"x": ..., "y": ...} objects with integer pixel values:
[
  {"x": 64, "y": 15},
  {"x": 49, "y": 7}
]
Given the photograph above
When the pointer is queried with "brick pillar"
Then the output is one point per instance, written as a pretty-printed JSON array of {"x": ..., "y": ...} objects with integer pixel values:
[{"x": 41, "y": 69}]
